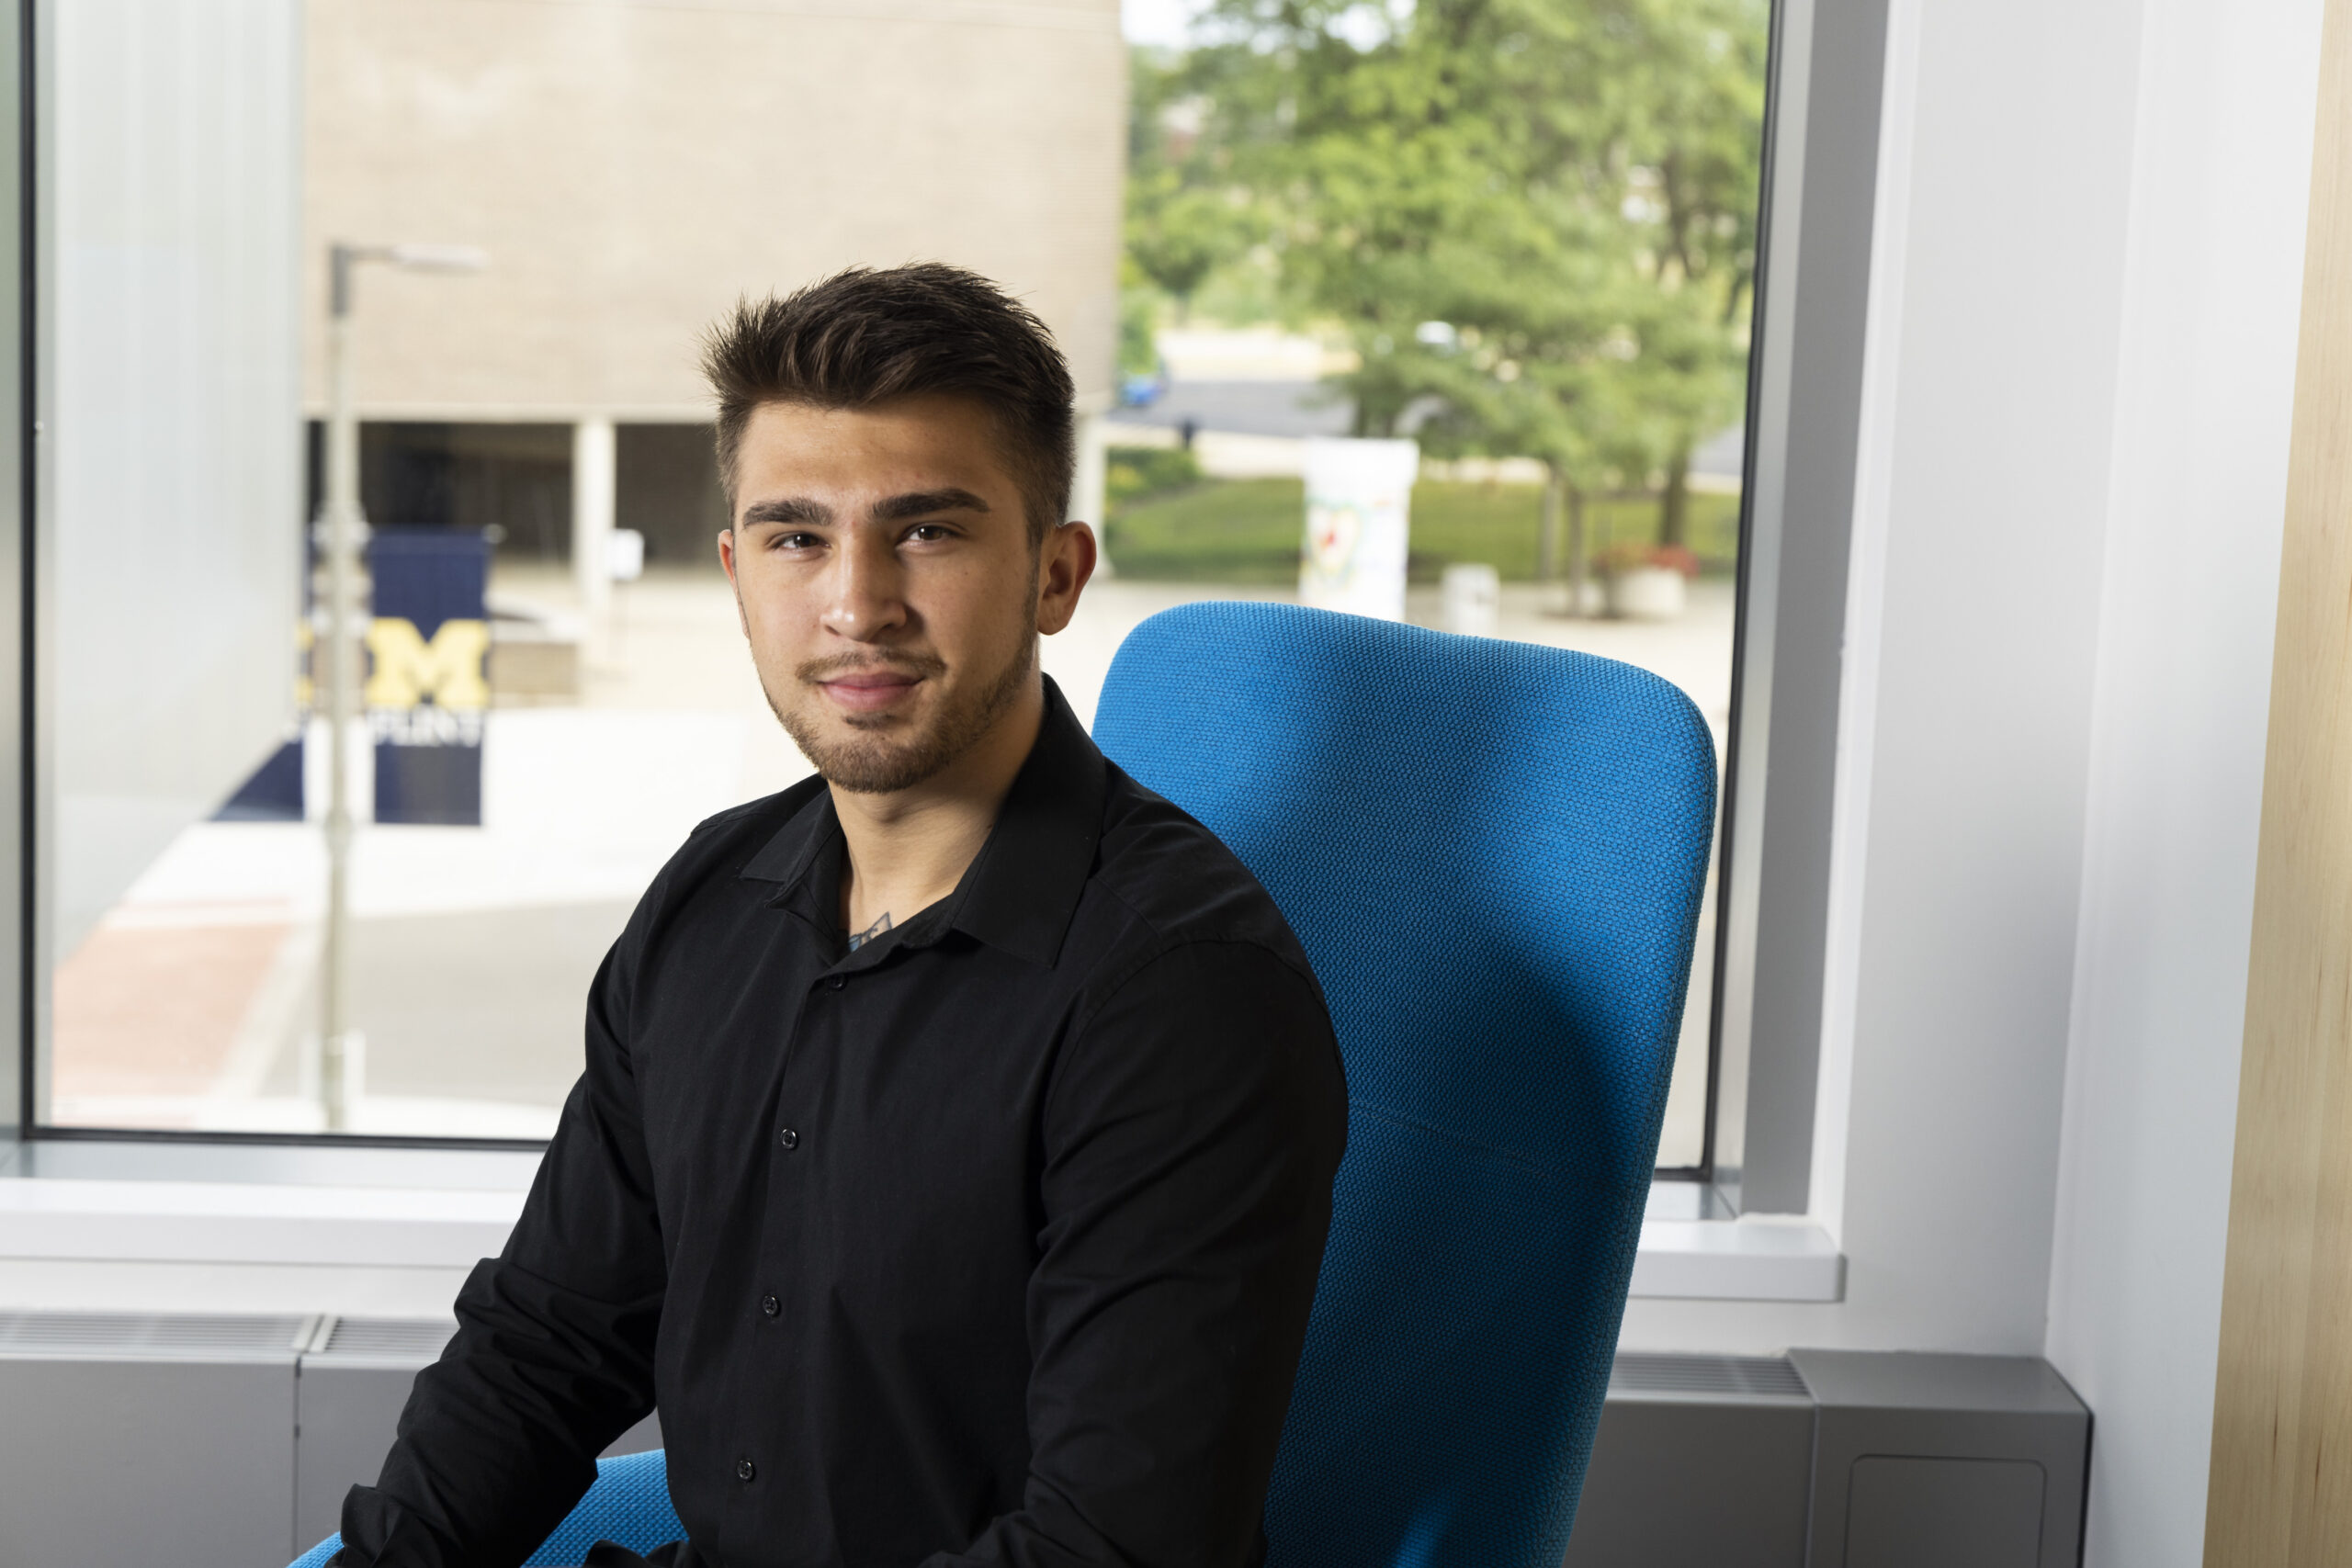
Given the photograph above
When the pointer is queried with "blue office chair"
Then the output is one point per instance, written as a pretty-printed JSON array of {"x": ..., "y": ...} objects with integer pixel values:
[
  {"x": 629, "y": 1504},
  {"x": 1494, "y": 854}
]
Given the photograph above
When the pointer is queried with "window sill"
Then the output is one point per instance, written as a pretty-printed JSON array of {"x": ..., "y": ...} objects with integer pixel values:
[
  {"x": 321, "y": 1207},
  {"x": 227, "y": 1206},
  {"x": 1755, "y": 1260}
]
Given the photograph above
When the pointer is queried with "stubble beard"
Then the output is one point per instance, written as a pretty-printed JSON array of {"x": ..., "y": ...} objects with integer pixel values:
[{"x": 876, "y": 764}]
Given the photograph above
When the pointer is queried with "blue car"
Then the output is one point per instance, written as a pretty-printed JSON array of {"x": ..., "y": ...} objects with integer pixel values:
[{"x": 1142, "y": 391}]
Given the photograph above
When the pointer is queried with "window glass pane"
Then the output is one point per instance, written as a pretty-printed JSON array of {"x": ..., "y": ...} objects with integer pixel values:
[{"x": 1522, "y": 237}]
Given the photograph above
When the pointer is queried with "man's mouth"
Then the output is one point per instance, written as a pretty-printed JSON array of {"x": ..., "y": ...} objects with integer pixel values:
[{"x": 865, "y": 691}]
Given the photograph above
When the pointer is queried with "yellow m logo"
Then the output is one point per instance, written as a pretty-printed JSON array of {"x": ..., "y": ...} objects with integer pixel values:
[{"x": 449, "y": 669}]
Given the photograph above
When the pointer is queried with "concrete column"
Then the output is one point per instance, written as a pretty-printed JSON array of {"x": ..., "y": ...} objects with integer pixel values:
[
  {"x": 596, "y": 468},
  {"x": 1088, "y": 500}
]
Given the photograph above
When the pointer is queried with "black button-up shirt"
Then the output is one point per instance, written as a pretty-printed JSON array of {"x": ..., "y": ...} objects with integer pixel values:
[{"x": 990, "y": 1242}]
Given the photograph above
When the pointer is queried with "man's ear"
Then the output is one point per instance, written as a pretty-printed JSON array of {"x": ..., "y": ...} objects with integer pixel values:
[
  {"x": 726, "y": 564},
  {"x": 1068, "y": 556}
]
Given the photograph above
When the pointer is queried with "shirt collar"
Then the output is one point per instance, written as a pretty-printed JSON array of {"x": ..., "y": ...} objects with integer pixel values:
[{"x": 1021, "y": 890}]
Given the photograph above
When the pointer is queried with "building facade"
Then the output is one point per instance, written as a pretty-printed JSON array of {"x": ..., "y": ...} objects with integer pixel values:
[{"x": 632, "y": 167}]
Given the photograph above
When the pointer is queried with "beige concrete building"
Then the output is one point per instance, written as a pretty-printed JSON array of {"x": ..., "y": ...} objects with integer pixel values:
[{"x": 633, "y": 166}]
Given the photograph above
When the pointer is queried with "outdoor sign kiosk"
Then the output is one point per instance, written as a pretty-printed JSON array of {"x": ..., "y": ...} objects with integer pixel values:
[{"x": 1353, "y": 556}]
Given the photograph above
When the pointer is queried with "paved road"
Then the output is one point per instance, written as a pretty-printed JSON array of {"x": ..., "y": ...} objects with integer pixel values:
[
  {"x": 1296, "y": 409},
  {"x": 1247, "y": 408}
]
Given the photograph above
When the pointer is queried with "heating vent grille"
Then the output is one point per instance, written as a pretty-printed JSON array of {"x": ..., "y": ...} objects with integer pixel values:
[
  {"x": 1638, "y": 1372},
  {"x": 128, "y": 1334},
  {"x": 415, "y": 1338}
]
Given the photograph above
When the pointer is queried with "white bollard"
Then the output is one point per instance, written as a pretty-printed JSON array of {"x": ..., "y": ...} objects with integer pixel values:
[
  {"x": 1473, "y": 600},
  {"x": 624, "y": 555}
]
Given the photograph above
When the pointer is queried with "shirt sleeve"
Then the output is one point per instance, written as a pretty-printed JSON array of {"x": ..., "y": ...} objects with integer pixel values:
[
  {"x": 1192, "y": 1131},
  {"x": 553, "y": 1357}
]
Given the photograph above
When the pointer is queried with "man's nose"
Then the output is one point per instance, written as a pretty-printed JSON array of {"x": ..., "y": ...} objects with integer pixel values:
[{"x": 864, "y": 600}]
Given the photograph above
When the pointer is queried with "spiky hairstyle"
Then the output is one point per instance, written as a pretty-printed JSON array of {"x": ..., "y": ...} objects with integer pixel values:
[{"x": 865, "y": 336}]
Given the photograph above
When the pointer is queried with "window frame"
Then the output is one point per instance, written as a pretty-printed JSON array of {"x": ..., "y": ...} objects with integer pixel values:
[
  {"x": 18, "y": 56},
  {"x": 1817, "y": 219}
]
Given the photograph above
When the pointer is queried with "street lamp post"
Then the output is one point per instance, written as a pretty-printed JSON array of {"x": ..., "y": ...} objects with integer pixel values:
[{"x": 343, "y": 529}]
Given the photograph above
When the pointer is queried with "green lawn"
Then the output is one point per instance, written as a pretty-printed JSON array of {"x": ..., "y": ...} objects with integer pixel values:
[{"x": 1248, "y": 530}]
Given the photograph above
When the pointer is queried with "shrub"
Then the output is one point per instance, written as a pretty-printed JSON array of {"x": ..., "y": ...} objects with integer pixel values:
[{"x": 1135, "y": 473}]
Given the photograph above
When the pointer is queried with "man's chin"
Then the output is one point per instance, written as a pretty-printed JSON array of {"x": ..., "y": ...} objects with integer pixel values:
[
  {"x": 877, "y": 768},
  {"x": 867, "y": 754}
]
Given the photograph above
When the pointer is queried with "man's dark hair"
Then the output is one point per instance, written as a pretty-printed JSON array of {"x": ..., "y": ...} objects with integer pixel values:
[{"x": 863, "y": 337}]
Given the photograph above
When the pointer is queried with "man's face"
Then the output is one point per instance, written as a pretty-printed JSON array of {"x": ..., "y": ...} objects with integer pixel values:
[{"x": 883, "y": 569}]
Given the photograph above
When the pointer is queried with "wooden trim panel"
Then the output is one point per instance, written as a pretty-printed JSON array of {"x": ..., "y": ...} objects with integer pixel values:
[{"x": 2281, "y": 1483}]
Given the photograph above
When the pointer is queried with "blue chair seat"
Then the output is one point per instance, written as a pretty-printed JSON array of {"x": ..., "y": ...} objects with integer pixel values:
[{"x": 628, "y": 1504}]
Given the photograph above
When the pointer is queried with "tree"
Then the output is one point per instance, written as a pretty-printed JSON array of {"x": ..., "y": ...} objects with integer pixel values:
[
  {"x": 1536, "y": 217},
  {"x": 1698, "y": 130},
  {"x": 1186, "y": 215}
]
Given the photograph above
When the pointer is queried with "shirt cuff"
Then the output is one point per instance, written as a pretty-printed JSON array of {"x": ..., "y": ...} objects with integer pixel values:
[{"x": 379, "y": 1533}]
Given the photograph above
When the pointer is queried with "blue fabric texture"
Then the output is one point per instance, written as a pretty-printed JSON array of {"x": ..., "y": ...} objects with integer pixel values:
[
  {"x": 1494, "y": 854},
  {"x": 628, "y": 1504}
]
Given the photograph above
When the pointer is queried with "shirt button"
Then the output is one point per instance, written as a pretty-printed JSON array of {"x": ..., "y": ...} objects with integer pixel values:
[
  {"x": 770, "y": 1305},
  {"x": 837, "y": 982},
  {"x": 788, "y": 1138},
  {"x": 744, "y": 1469}
]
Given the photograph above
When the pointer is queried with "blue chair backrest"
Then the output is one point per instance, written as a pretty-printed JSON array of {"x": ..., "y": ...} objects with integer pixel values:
[
  {"x": 628, "y": 1504},
  {"x": 1494, "y": 854}
]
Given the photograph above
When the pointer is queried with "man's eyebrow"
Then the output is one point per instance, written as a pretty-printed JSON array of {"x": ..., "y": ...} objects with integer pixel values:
[
  {"x": 788, "y": 510},
  {"x": 924, "y": 502}
]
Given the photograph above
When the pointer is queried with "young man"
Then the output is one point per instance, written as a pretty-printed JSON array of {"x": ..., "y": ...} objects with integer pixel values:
[{"x": 955, "y": 1153}]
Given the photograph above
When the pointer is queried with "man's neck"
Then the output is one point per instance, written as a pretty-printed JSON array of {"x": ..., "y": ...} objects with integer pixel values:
[{"x": 909, "y": 848}]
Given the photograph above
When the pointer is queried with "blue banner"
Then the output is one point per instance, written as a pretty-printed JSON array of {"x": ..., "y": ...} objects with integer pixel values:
[{"x": 428, "y": 673}]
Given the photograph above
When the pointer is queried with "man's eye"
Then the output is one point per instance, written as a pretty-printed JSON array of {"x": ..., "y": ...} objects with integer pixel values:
[
  {"x": 930, "y": 532},
  {"x": 794, "y": 542}
]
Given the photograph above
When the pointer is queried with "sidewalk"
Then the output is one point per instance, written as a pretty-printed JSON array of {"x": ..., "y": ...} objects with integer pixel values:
[{"x": 194, "y": 1003}]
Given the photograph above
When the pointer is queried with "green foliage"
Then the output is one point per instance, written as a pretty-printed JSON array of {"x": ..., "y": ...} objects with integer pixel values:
[
  {"x": 1233, "y": 531},
  {"x": 1187, "y": 215},
  {"x": 1536, "y": 218},
  {"x": 1247, "y": 531},
  {"x": 1138, "y": 322},
  {"x": 1133, "y": 473},
  {"x": 1178, "y": 233}
]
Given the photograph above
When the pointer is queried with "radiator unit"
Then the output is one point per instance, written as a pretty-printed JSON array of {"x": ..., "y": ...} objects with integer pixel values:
[
  {"x": 147, "y": 1439},
  {"x": 1833, "y": 1459},
  {"x": 203, "y": 1442},
  {"x": 229, "y": 1441}
]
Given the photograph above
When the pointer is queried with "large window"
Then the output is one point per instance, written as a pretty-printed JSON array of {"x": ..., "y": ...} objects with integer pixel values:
[{"x": 1524, "y": 237}]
